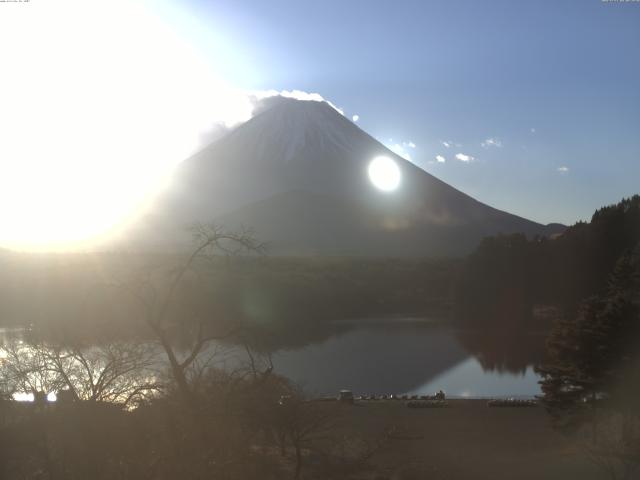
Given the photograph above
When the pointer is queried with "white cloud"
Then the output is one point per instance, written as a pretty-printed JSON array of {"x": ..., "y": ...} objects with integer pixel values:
[
  {"x": 440, "y": 159},
  {"x": 450, "y": 143},
  {"x": 295, "y": 94},
  {"x": 260, "y": 95},
  {"x": 355, "y": 118},
  {"x": 563, "y": 169},
  {"x": 399, "y": 149},
  {"x": 464, "y": 158},
  {"x": 532, "y": 130},
  {"x": 255, "y": 102},
  {"x": 492, "y": 142}
]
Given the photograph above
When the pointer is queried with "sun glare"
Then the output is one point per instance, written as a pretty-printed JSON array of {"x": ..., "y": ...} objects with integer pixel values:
[
  {"x": 384, "y": 174},
  {"x": 99, "y": 100}
]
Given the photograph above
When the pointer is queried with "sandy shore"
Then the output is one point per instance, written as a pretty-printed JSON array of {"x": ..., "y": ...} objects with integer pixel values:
[{"x": 467, "y": 440}]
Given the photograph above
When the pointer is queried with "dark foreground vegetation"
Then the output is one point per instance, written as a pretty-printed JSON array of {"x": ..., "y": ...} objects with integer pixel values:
[
  {"x": 234, "y": 426},
  {"x": 241, "y": 435}
]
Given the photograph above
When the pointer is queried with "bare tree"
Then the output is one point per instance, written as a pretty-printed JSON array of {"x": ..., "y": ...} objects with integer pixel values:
[
  {"x": 120, "y": 372},
  {"x": 116, "y": 372},
  {"x": 25, "y": 369},
  {"x": 159, "y": 304}
]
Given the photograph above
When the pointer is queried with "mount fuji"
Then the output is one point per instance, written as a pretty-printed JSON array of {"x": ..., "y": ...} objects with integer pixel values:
[{"x": 296, "y": 173}]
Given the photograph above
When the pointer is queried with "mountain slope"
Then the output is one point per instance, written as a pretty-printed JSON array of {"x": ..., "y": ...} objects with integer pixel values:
[
  {"x": 305, "y": 223},
  {"x": 297, "y": 173}
]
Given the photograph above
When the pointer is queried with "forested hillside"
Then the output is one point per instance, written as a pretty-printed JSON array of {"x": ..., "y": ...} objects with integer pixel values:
[{"x": 508, "y": 275}]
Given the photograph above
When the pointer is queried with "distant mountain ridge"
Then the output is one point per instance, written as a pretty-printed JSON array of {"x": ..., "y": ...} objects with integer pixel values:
[{"x": 297, "y": 174}]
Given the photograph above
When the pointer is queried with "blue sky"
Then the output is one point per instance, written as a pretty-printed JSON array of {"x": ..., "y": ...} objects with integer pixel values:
[{"x": 555, "y": 84}]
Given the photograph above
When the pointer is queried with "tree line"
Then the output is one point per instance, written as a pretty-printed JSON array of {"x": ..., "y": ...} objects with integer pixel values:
[{"x": 507, "y": 276}]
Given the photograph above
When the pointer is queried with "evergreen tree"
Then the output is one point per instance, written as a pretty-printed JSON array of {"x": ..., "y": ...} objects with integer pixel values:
[{"x": 593, "y": 355}]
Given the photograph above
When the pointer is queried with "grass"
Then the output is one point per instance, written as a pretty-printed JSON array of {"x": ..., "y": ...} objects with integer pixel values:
[{"x": 466, "y": 440}]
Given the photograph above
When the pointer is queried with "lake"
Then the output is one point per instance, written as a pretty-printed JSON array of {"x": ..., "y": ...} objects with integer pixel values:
[
  {"x": 401, "y": 356},
  {"x": 410, "y": 356}
]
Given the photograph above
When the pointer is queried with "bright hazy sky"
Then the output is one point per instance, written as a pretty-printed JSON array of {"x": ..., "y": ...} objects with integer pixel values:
[{"x": 532, "y": 107}]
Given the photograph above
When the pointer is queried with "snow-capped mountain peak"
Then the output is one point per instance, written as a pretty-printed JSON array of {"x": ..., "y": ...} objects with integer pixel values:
[{"x": 297, "y": 174}]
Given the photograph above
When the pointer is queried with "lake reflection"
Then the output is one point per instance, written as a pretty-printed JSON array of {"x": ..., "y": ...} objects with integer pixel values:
[
  {"x": 395, "y": 356},
  {"x": 415, "y": 357}
]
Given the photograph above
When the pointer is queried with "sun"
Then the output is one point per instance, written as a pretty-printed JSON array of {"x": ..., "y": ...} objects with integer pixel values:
[
  {"x": 384, "y": 173},
  {"x": 100, "y": 102}
]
